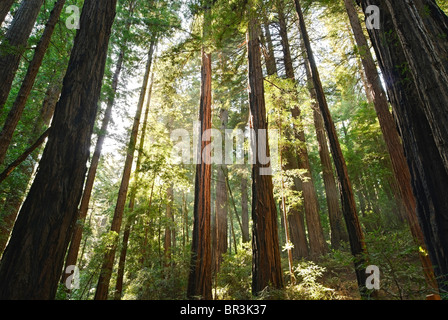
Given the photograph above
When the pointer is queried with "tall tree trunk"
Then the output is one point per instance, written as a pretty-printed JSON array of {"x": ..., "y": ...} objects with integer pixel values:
[
  {"x": 72, "y": 255},
  {"x": 16, "y": 111},
  {"x": 425, "y": 160},
  {"x": 5, "y": 6},
  {"x": 244, "y": 210},
  {"x": 14, "y": 44},
  {"x": 14, "y": 200},
  {"x": 338, "y": 232},
  {"x": 391, "y": 136},
  {"x": 269, "y": 55},
  {"x": 266, "y": 266},
  {"x": 129, "y": 221},
  {"x": 73, "y": 251},
  {"x": 108, "y": 262},
  {"x": 200, "y": 277},
  {"x": 357, "y": 244},
  {"x": 32, "y": 262},
  {"x": 296, "y": 221},
  {"x": 168, "y": 229},
  {"x": 221, "y": 203},
  {"x": 317, "y": 242}
]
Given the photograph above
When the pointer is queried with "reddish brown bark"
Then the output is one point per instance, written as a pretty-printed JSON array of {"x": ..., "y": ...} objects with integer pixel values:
[
  {"x": 391, "y": 137},
  {"x": 317, "y": 244},
  {"x": 266, "y": 266},
  {"x": 338, "y": 232},
  {"x": 14, "y": 44},
  {"x": 16, "y": 111},
  {"x": 5, "y": 6},
  {"x": 355, "y": 233},
  {"x": 14, "y": 200},
  {"x": 32, "y": 262},
  {"x": 200, "y": 277},
  {"x": 106, "y": 270}
]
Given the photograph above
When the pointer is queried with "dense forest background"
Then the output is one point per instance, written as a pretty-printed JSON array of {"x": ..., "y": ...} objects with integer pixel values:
[{"x": 134, "y": 231}]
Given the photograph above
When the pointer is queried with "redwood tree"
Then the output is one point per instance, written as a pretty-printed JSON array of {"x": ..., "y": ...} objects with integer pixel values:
[
  {"x": 266, "y": 266},
  {"x": 355, "y": 233},
  {"x": 5, "y": 6},
  {"x": 27, "y": 84},
  {"x": 102, "y": 288},
  {"x": 407, "y": 66},
  {"x": 200, "y": 277},
  {"x": 391, "y": 136},
  {"x": 14, "y": 43},
  {"x": 32, "y": 262}
]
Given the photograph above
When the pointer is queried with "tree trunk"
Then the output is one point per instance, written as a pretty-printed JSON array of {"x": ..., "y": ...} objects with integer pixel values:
[
  {"x": 338, "y": 232},
  {"x": 16, "y": 111},
  {"x": 14, "y": 44},
  {"x": 75, "y": 241},
  {"x": 200, "y": 277},
  {"x": 168, "y": 228},
  {"x": 317, "y": 242},
  {"x": 14, "y": 200},
  {"x": 5, "y": 6},
  {"x": 106, "y": 270},
  {"x": 266, "y": 266},
  {"x": 269, "y": 56},
  {"x": 244, "y": 210},
  {"x": 390, "y": 134},
  {"x": 356, "y": 236},
  {"x": 221, "y": 203},
  {"x": 32, "y": 262},
  {"x": 426, "y": 164}
]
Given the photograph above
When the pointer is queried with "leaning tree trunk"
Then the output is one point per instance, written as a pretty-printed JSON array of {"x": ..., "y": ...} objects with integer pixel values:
[
  {"x": 75, "y": 242},
  {"x": 266, "y": 265},
  {"x": 102, "y": 289},
  {"x": 14, "y": 44},
  {"x": 14, "y": 200},
  {"x": 296, "y": 221},
  {"x": 316, "y": 237},
  {"x": 5, "y": 6},
  {"x": 424, "y": 157},
  {"x": 200, "y": 277},
  {"x": 32, "y": 262},
  {"x": 129, "y": 221},
  {"x": 355, "y": 233},
  {"x": 391, "y": 137},
  {"x": 338, "y": 232},
  {"x": 16, "y": 111}
]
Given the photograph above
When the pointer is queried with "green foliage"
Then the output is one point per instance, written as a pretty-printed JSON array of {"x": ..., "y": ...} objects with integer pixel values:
[
  {"x": 396, "y": 255},
  {"x": 308, "y": 286},
  {"x": 235, "y": 276}
]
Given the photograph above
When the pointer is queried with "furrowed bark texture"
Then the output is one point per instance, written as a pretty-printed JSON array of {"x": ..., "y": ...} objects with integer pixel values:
[
  {"x": 32, "y": 262},
  {"x": 266, "y": 266},
  {"x": 391, "y": 137},
  {"x": 419, "y": 116},
  {"x": 106, "y": 269},
  {"x": 200, "y": 277},
  {"x": 14, "y": 43},
  {"x": 18, "y": 107},
  {"x": 5, "y": 6},
  {"x": 355, "y": 233}
]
